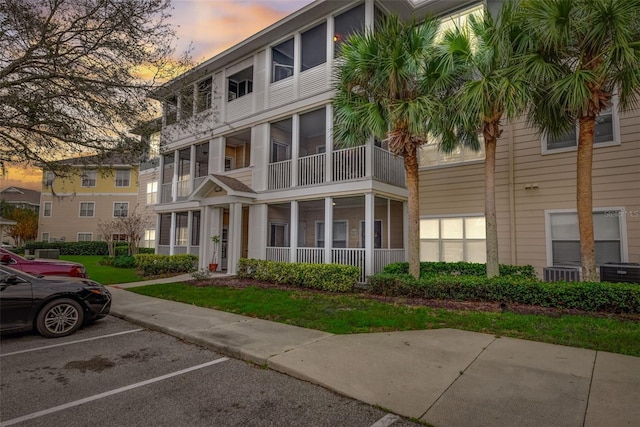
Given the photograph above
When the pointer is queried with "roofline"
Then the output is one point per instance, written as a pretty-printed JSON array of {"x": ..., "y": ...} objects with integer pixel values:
[{"x": 315, "y": 10}]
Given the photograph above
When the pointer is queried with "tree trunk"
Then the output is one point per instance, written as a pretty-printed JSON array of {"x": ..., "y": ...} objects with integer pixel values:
[
  {"x": 584, "y": 198},
  {"x": 411, "y": 169},
  {"x": 491, "y": 222}
]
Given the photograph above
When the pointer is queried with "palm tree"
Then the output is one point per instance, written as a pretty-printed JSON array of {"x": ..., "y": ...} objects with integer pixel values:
[
  {"x": 388, "y": 86},
  {"x": 489, "y": 93},
  {"x": 579, "y": 54}
]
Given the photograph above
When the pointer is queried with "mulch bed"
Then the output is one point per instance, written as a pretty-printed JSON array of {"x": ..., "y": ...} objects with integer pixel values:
[{"x": 494, "y": 307}]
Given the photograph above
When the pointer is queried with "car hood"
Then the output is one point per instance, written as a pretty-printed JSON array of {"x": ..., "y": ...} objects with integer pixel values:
[{"x": 56, "y": 262}]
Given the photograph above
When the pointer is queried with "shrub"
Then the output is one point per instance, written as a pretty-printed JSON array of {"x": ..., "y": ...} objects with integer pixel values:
[
  {"x": 461, "y": 269},
  {"x": 327, "y": 277},
  {"x": 153, "y": 265},
  {"x": 588, "y": 296},
  {"x": 124, "y": 262}
]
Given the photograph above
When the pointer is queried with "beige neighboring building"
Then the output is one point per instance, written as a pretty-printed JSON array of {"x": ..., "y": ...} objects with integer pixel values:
[
  {"x": 97, "y": 189},
  {"x": 536, "y": 198}
]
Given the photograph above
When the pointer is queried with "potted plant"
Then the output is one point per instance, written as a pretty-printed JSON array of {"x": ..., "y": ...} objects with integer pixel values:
[{"x": 213, "y": 266}]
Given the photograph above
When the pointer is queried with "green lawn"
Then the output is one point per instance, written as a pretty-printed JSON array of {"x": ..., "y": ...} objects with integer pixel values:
[
  {"x": 344, "y": 314},
  {"x": 102, "y": 273}
]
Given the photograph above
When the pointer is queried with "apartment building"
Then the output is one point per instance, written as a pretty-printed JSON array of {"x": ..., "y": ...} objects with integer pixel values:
[
  {"x": 250, "y": 156},
  {"x": 95, "y": 189}
]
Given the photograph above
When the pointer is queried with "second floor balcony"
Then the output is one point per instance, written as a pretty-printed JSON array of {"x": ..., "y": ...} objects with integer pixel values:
[{"x": 347, "y": 164}]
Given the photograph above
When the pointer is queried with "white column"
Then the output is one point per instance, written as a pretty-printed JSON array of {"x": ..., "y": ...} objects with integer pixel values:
[
  {"x": 297, "y": 61},
  {"x": 293, "y": 236},
  {"x": 368, "y": 14},
  {"x": 329, "y": 140},
  {"x": 174, "y": 181},
  {"x": 172, "y": 234},
  {"x": 328, "y": 229},
  {"x": 368, "y": 158},
  {"x": 192, "y": 168},
  {"x": 369, "y": 212},
  {"x": 295, "y": 148},
  {"x": 234, "y": 246},
  {"x": 258, "y": 231}
]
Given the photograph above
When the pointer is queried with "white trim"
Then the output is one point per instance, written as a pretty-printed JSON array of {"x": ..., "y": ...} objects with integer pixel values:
[
  {"x": 84, "y": 233},
  {"x": 113, "y": 209},
  {"x": 87, "y": 216},
  {"x": 44, "y": 209},
  {"x": 622, "y": 223},
  {"x": 615, "y": 124}
]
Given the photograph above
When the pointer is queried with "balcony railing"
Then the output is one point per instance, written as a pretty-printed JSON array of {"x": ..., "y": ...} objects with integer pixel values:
[
  {"x": 349, "y": 163},
  {"x": 388, "y": 167},
  {"x": 311, "y": 169},
  {"x": 311, "y": 255},
  {"x": 280, "y": 254},
  {"x": 382, "y": 257},
  {"x": 184, "y": 188},
  {"x": 350, "y": 257},
  {"x": 280, "y": 175},
  {"x": 165, "y": 194}
]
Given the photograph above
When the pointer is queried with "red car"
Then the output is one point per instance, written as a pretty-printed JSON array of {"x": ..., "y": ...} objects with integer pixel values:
[{"x": 42, "y": 267}]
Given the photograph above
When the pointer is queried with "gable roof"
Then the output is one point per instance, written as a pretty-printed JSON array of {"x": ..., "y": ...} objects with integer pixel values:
[{"x": 19, "y": 194}]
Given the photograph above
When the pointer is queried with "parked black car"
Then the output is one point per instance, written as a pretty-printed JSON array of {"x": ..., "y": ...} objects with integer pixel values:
[{"x": 54, "y": 306}]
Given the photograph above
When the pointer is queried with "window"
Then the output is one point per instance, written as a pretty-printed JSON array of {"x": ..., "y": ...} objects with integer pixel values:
[
  {"x": 278, "y": 235},
  {"x": 186, "y": 103},
  {"x": 119, "y": 237},
  {"x": 87, "y": 209},
  {"x": 377, "y": 234},
  {"x": 282, "y": 61},
  {"x": 89, "y": 178},
  {"x": 240, "y": 84},
  {"x": 453, "y": 239},
  {"x": 429, "y": 155},
  {"x": 45, "y": 237},
  {"x": 228, "y": 163},
  {"x": 205, "y": 94},
  {"x": 48, "y": 178},
  {"x": 314, "y": 47},
  {"x": 195, "y": 228},
  {"x": 339, "y": 234},
  {"x": 563, "y": 241},
  {"x": 149, "y": 240},
  {"x": 120, "y": 209},
  {"x": 123, "y": 177},
  {"x": 152, "y": 193},
  {"x": 85, "y": 237},
  {"x": 347, "y": 23},
  {"x": 47, "y": 209},
  {"x": 605, "y": 134}
]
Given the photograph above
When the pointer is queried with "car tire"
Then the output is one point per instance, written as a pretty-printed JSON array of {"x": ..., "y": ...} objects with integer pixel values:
[{"x": 59, "y": 318}]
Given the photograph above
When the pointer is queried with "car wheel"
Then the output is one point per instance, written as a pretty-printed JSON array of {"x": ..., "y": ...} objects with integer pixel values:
[{"x": 59, "y": 318}]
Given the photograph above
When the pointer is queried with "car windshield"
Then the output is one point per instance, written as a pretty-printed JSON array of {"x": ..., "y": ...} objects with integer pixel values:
[
  {"x": 13, "y": 254},
  {"x": 13, "y": 271}
]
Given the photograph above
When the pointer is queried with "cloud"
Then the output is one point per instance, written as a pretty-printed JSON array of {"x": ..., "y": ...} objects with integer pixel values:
[{"x": 213, "y": 26}]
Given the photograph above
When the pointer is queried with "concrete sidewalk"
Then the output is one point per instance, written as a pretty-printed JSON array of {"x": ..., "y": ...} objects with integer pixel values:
[{"x": 445, "y": 377}]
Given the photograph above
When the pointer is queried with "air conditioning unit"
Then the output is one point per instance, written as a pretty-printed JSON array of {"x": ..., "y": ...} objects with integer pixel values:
[
  {"x": 561, "y": 274},
  {"x": 622, "y": 272}
]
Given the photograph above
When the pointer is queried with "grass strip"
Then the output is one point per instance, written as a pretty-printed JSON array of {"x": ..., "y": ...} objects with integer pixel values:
[
  {"x": 104, "y": 274},
  {"x": 347, "y": 314}
]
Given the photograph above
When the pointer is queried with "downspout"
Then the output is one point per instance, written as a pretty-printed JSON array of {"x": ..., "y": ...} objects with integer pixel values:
[{"x": 512, "y": 199}]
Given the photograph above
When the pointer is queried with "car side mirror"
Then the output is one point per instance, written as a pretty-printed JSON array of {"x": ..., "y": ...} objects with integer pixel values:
[
  {"x": 12, "y": 279},
  {"x": 5, "y": 259}
]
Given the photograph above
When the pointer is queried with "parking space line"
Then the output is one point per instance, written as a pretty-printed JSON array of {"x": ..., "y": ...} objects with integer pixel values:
[
  {"x": 109, "y": 393},
  {"x": 70, "y": 342},
  {"x": 386, "y": 421}
]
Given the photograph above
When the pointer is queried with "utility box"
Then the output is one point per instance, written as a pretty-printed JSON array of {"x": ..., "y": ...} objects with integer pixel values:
[
  {"x": 622, "y": 272},
  {"x": 48, "y": 253}
]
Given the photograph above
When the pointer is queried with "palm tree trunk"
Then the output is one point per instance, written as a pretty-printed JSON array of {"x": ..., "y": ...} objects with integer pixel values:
[
  {"x": 491, "y": 222},
  {"x": 584, "y": 198},
  {"x": 411, "y": 169}
]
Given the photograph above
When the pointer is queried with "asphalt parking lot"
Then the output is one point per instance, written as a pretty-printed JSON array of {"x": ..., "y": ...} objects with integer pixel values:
[{"x": 115, "y": 373}]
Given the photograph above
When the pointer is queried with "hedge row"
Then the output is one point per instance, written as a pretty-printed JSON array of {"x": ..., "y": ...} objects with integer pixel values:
[
  {"x": 326, "y": 277},
  {"x": 460, "y": 268},
  {"x": 82, "y": 248},
  {"x": 153, "y": 265},
  {"x": 588, "y": 296}
]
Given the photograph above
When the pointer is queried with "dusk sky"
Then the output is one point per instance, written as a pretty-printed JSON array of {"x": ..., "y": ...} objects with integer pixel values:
[{"x": 210, "y": 26}]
